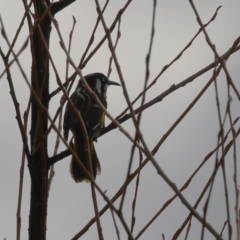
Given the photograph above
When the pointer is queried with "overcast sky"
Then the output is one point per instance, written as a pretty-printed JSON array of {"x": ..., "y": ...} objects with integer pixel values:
[{"x": 70, "y": 204}]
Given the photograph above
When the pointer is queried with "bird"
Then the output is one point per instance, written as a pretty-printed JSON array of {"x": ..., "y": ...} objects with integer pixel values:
[{"x": 93, "y": 118}]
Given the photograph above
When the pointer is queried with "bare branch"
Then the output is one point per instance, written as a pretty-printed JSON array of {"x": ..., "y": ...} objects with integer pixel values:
[
  {"x": 212, "y": 46},
  {"x": 16, "y": 105},
  {"x": 19, "y": 205},
  {"x": 60, "y": 5}
]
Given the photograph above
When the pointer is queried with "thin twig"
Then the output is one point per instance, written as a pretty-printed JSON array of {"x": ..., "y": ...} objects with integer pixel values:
[
  {"x": 19, "y": 205},
  {"x": 16, "y": 105},
  {"x": 235, "y": 168},
  {"x": 18, "y": 31},
  {"x": 133, "y": 218},
  {"x": 224, "y": 225},
  {"x": 115, "y": 224},
  {"x": 115, "y": 46},
  {"x": 148, "y": 57},
  {"x": 188, "y": 229},
  {"x": 213, "y": 48},
  {"x": 205, "y": 208},
  {"x": 235, "y": 178}
]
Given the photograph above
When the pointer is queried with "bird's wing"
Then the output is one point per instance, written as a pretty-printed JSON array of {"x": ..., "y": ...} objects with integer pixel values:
[
  {"x": 79, "y": 100},
  {"x": 95, "y": 117},
  {"x": 66, "y": 121}
]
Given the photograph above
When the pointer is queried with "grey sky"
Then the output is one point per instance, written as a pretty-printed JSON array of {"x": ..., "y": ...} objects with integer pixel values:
[{"x": 70, "y": 204}]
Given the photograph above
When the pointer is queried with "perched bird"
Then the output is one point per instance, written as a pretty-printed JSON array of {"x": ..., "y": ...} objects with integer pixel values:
[{"x": 93, "y": 118}]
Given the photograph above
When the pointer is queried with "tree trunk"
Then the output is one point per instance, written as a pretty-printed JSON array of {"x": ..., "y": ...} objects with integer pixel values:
[{"x": 40, "y": 85}]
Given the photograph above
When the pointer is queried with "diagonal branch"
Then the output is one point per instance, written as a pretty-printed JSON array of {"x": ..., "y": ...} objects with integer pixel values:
[
  {"x": 213, "y": 48},
  {"x": 174, "y": 87},
  {"x": 16, "y": 105},
  {"x": 60, "y": 5}
]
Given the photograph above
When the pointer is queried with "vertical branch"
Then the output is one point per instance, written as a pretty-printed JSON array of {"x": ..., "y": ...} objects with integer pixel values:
[
  {"x": 39, "y": 123},
  {"x": 235, "y": 175},
  {"x": 148, "y": 59},
  {"x": 26, "y": 114},
  {"x": 115, "y": 46},
  {"x": 115, "y": 224},
  {"x": 221, "y": 133},
  {"x": 136, "y": 193},
  {"x": 235, "y": 179}
]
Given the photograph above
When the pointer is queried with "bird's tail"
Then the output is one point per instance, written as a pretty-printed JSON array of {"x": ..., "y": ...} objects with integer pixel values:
[{"x": 78, "y": 174}]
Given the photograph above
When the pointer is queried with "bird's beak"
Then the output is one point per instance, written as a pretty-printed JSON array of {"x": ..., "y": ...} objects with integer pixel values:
[{"x": 113, "y": 83}]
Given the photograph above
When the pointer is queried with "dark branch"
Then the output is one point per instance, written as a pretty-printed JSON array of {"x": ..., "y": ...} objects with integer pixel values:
[
  {"x": 58, "y": 157},
  {"x": 16, "y": 105},
  {"x": 60, "y": 5}
]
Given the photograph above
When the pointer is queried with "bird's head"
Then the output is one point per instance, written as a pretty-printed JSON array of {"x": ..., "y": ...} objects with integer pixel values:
[{"x": 99, "y": 83}]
